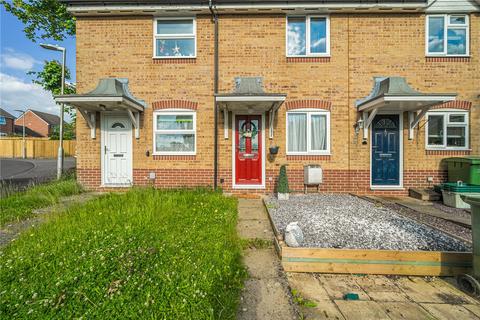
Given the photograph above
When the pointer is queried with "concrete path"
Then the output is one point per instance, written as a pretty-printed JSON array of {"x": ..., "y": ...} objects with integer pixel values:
[
  {"x": 266, "y": 294},
  {"x": 381, "y": 297}
]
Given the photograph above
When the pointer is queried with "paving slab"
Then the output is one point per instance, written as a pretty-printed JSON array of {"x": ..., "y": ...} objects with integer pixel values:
[
  {"x": 443, "y": 311},
  {"x": 473, "y": 308},
  {"x": 251, "y": 229},
  {"x": 252, "y": 214},
  {"x": 250, "y": 204},
  {"x": 307, "y": 286},
  {"x": 418, "y": 290},
  {"x": 261, "y": 263},
  {"x": 450, "y": 294},
  {"x": 338, "y": 285},
  {"x": 324, "y": 310},
  {"x": 264, "y": 299},
  {"x": 388, "y": 296},
  {"x": 405, "y": 311},
  {"x": 373, "y": 283},
  {"x": 354, "y": 310}
]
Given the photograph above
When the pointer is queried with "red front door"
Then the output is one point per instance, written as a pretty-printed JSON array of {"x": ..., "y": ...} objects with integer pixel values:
[{"x": 248, "y": 150}]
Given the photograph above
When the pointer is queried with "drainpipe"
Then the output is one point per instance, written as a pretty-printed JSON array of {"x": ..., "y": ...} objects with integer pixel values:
[{"x": 211, "y": 6}]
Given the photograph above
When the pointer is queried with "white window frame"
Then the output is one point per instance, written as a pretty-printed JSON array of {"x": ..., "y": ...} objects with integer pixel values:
[
  {"x": 307, "y": 35},
  {"x": 169, "y": 112},
  {"x": 447, "y": 25},
  {"x": 309, "y": 113},
  {"x": 446, "y": 123},
  {"x": 174, "y": 36}
]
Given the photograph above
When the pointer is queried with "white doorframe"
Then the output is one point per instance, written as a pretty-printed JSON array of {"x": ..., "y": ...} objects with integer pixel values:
[
  {"x": 400, "y": 170},
  {"x": 248, "y": 186},
  {"x": 103, "y": 129}
]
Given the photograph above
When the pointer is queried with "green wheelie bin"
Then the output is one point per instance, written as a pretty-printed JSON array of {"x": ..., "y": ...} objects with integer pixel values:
[{"x": 470, "y": 282}]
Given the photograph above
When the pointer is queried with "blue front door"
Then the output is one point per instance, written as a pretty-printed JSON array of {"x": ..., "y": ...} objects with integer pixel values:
[{"x": 386, "y": 150}]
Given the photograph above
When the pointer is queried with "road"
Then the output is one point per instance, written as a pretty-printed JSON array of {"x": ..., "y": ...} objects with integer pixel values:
[{"x": 31, "y": 170}]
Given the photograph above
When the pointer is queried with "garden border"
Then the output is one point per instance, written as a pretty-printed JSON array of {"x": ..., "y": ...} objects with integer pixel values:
[{"x": 369, "y": 261}]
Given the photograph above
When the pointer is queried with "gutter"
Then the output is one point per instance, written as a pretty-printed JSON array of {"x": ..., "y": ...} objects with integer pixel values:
[{"x": 212, "y": 9}]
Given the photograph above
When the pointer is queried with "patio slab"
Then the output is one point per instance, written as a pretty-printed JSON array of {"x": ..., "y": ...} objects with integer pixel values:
[
  {"x": 405, "y": 311},
  {"x": 251, "y": 229},
  {"x": 449, "y": 312},
  {"x": 361, "y": 310}
]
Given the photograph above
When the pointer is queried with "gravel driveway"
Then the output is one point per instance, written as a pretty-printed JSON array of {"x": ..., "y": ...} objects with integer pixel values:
[{"x": 345, "y": 221}]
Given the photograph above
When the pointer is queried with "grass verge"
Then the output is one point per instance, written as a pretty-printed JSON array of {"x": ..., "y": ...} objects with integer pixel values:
[
  {"x": 21, "y": 205},
  {"x": 144, "y": 254}
]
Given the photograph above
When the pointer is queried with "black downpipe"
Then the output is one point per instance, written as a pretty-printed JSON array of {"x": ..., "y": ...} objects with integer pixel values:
[{"x": 215, "y": 92}]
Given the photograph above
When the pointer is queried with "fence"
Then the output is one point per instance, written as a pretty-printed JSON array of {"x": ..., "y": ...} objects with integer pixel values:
[{"x": 35, "y": 148}]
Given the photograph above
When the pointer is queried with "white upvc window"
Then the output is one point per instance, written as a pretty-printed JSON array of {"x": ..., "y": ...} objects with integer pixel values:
[
  {"x": 174, "y": 132},
  {"x": 175, "y": 38},
  {"x": 447, "y": 35},
  {"x": 308, "y": 132},
  {"x": 447, "y": 130},
  {"x": 308, "y": 36}
]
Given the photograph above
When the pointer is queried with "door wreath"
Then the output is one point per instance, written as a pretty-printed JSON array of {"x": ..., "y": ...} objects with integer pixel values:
[{"x": 246, "y": 133}]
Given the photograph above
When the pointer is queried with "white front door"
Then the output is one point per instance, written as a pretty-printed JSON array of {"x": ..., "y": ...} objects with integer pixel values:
[{"x": 117, "y": 150}]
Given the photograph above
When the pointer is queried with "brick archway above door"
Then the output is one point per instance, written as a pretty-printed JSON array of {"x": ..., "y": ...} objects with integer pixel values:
[{"x": 308, "y": 104}]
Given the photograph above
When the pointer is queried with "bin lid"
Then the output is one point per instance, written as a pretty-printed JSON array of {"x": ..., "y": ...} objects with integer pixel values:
[
  {"x": 470, "y": 159},
  {"x": 475, "y": 200}
]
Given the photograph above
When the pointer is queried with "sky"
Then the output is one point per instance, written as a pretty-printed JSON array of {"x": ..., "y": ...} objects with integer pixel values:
[{"x": 18, "y": 55}]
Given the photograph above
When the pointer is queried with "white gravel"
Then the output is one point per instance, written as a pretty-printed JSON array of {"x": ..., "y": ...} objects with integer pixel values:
[{"x": 345, "y": 221}]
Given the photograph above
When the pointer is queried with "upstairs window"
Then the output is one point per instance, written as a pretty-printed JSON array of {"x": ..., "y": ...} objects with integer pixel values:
[
  {"x": 447, "y": 35},
  {"x": 447, "y": 130},
  {"x": 175, "y": 38},
  {"x": 308, "y": 36}
]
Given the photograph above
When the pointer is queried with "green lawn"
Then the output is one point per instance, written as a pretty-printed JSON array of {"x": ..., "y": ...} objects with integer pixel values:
[
  {"x": 144, "y": 254},
  {"x": 20, "y": 205}
]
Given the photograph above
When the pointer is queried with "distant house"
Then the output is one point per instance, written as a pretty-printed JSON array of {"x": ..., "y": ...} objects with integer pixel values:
[
  {"x": 37, "y": 123},
  {"x": 6, "y": 123}
]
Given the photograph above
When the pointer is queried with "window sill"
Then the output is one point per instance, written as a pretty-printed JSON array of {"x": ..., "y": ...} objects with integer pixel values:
[
  {"x": 320, "y": 59},
  {"x": 174, "y": 156},
  {"x": 174, "y": 60},
  {"x": 296, "y": 157},
  {"x": 447, "y": 58},
  {"x": 446, "y": 152}
]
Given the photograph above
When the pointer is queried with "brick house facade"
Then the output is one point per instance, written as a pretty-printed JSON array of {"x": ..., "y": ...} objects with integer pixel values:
[
  {"x": 252, "y": 43},
  {"x": 6, "y": 123},
  {"x": 38, "y": 123}
]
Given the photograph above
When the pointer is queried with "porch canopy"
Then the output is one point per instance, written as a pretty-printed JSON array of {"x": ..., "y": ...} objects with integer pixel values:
[
  {"x": 249, "y": 97},
  {"x": 111, "y": 94},
  {"x": 395, "y": 95}
]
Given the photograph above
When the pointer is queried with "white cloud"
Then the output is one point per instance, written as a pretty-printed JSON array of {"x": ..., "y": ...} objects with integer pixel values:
[
  {"x": 15, "y": 60},
  {"x": 296, "y": 40},
  {"x": 16, "y": 93},
  {"x": 322, "y": 42}
]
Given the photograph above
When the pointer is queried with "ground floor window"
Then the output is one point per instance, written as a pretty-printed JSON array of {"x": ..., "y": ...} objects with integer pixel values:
[
  {"x": 308, "y": 132},
  {"x": 174, "y": 132},
  {"x": 447, "y": 130}
]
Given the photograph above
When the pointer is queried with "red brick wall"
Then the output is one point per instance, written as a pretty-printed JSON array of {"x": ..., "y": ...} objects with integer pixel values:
[
  {"x": 336, "y": 181},
  {"x": 34, "y": 123},
  {"x": 8, "y": 127}
]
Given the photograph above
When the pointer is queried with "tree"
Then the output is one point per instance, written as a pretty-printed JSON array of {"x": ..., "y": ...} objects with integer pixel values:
[
  {"x": 68, "y": 131},
  {"x": 43, "y": 19},
  {"x": 50, "y": 78}
]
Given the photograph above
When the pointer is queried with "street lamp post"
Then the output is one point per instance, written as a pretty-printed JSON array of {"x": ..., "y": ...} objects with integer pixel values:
[
  {"x": 60, "y": 146},
  {"x": 24, "y": 147}
]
